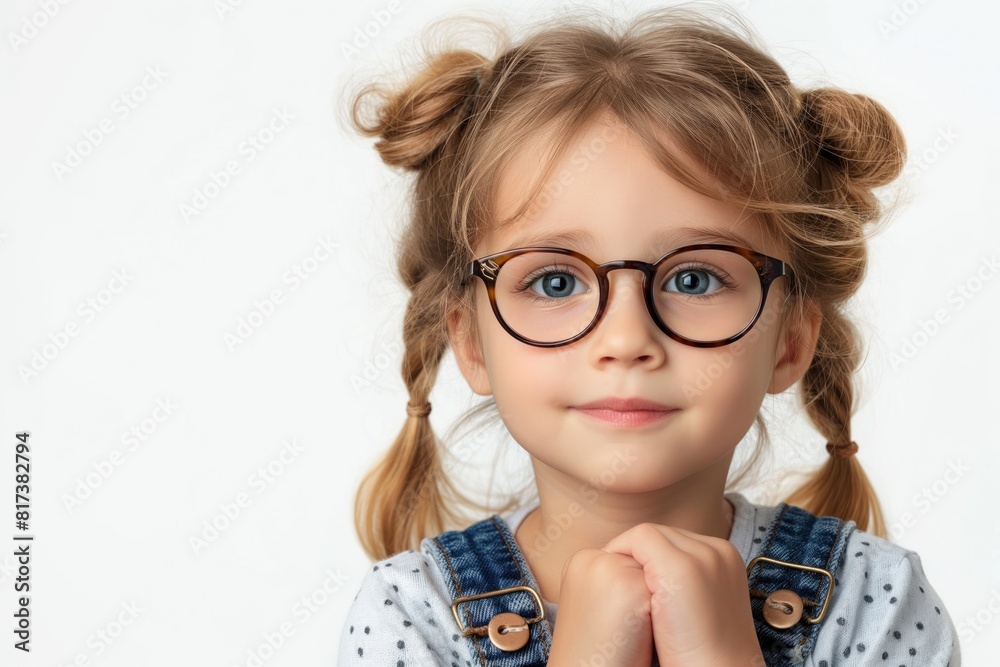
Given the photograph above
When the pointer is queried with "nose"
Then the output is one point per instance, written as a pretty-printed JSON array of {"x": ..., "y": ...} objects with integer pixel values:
[{"x": 627, "y": 331}]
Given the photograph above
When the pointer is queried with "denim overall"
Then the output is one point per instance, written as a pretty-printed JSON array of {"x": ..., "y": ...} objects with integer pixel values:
[{"x": 481, "y": 562}]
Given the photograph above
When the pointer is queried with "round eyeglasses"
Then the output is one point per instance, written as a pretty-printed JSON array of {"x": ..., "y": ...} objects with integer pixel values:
[{"x": 703, "y": 295}]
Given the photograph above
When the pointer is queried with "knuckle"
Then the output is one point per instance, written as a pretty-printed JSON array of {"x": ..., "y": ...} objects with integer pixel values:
[
  {"x": 731, "y": 556},
  {"x": 646, "y": 531},
  {"x": 581, "y": 562}
]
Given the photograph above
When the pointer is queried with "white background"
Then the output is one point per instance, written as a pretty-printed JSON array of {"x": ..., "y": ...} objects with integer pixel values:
[{"x": 188, "y": 283}]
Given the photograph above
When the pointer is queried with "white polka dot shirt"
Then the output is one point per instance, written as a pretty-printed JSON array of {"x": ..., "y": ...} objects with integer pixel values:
[{"x": 883, "y": 610}]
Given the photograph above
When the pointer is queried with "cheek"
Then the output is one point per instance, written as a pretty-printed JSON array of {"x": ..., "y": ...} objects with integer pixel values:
[
  {"x": 732, "y": 379},
  {"x": 529, "y": 386},
  {"x": 519, "y": 372},
  {"x": 724, "y": 394},
  {"x": 520, "y": 375}
]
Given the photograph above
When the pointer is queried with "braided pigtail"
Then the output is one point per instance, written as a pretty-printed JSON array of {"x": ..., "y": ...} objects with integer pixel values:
[
  {"x": 858, "y": 146},
  {"x": 407, "y": 495}
]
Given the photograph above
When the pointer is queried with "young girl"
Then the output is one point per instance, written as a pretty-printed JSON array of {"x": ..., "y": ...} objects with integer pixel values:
[{"x": 628, "y": 237}]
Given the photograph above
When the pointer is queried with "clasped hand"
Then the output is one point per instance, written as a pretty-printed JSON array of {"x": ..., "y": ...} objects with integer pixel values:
[{"x": 655, "y": 585}]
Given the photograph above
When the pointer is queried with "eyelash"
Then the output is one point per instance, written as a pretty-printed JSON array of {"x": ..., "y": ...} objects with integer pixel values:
[
  {"x": 538, "y": 273},
  {"x": 721, "y": 275}
]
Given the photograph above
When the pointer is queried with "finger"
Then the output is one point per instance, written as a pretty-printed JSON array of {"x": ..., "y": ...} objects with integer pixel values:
[
  {"x": 647, "y": 543},
  {"x": 701, "y": 547},
  {"x": 670, "y": 570},
  {"x": 624, "y": 542},
  {"x": 665, "y": 552}
]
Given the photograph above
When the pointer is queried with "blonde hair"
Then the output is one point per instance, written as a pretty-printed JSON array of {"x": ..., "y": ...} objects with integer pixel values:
[{"x": 806, "y": 161}]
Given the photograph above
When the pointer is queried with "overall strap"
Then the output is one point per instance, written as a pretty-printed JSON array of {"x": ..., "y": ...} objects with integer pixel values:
[
  {"x": 792, "y": 580},
  {"x": 495, "y": 598}
]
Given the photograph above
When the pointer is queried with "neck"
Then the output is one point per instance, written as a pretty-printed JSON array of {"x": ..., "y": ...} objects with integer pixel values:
[{"x": 571, "y": 517}]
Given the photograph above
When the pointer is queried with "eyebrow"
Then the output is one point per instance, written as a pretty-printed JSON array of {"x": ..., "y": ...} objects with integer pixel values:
[{"x": 661, "y": 240}]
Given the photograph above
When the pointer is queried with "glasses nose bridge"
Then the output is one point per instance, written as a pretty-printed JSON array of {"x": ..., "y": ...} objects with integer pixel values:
[{"x": 645, "y": 268}]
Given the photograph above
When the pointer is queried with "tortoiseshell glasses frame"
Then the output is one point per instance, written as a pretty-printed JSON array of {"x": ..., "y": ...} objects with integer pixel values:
[{"x": 768, "y": 269}]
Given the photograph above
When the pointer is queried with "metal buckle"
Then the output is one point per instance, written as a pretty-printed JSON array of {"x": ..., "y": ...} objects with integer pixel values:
[
  {"x": 818, "y": 570},
  {"x": 502, "y": 591}
]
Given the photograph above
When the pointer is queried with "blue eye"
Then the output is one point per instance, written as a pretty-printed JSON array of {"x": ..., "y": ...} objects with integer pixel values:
[
  {"x": 693, "y": 281},
  {"x": 554, "y": 284}
]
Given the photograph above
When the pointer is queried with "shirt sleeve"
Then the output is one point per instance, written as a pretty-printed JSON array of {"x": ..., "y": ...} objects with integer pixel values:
[
  {"x": 917, "y": 629},
  {"x": 887, "y": 613},
  {"x": 380, "y": 628}
]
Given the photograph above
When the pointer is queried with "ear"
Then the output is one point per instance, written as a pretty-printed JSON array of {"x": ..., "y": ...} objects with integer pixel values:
[
  {"x": 468, "y": 353},
  {"x": 796, "y": 347}
]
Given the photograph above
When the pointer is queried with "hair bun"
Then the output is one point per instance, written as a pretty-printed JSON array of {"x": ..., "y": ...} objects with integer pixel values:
[
  {"x": 856, "y": 134},
  {"x": 414, "y": 121}
]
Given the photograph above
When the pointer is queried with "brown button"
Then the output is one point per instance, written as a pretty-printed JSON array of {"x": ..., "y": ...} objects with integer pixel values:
[
  {"x": 782, "y": 609},
  {"x": 509, "y": 631}
]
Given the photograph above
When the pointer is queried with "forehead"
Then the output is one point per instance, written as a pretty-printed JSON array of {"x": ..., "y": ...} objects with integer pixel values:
[
  {"x": 606, "y": 192},
  {"x": 658, "y": 240}
]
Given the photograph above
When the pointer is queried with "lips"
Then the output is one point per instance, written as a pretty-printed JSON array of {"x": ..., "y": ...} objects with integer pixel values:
[
  {"x": 624, "y": 405},
  {"x": 625, "y": 412}
]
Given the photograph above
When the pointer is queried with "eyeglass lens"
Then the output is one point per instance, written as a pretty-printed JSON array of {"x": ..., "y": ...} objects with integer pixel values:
[{"x": 704, "y": 295}]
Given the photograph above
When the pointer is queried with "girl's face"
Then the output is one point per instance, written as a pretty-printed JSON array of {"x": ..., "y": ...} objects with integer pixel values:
[{"x": 608, "y": 188}]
